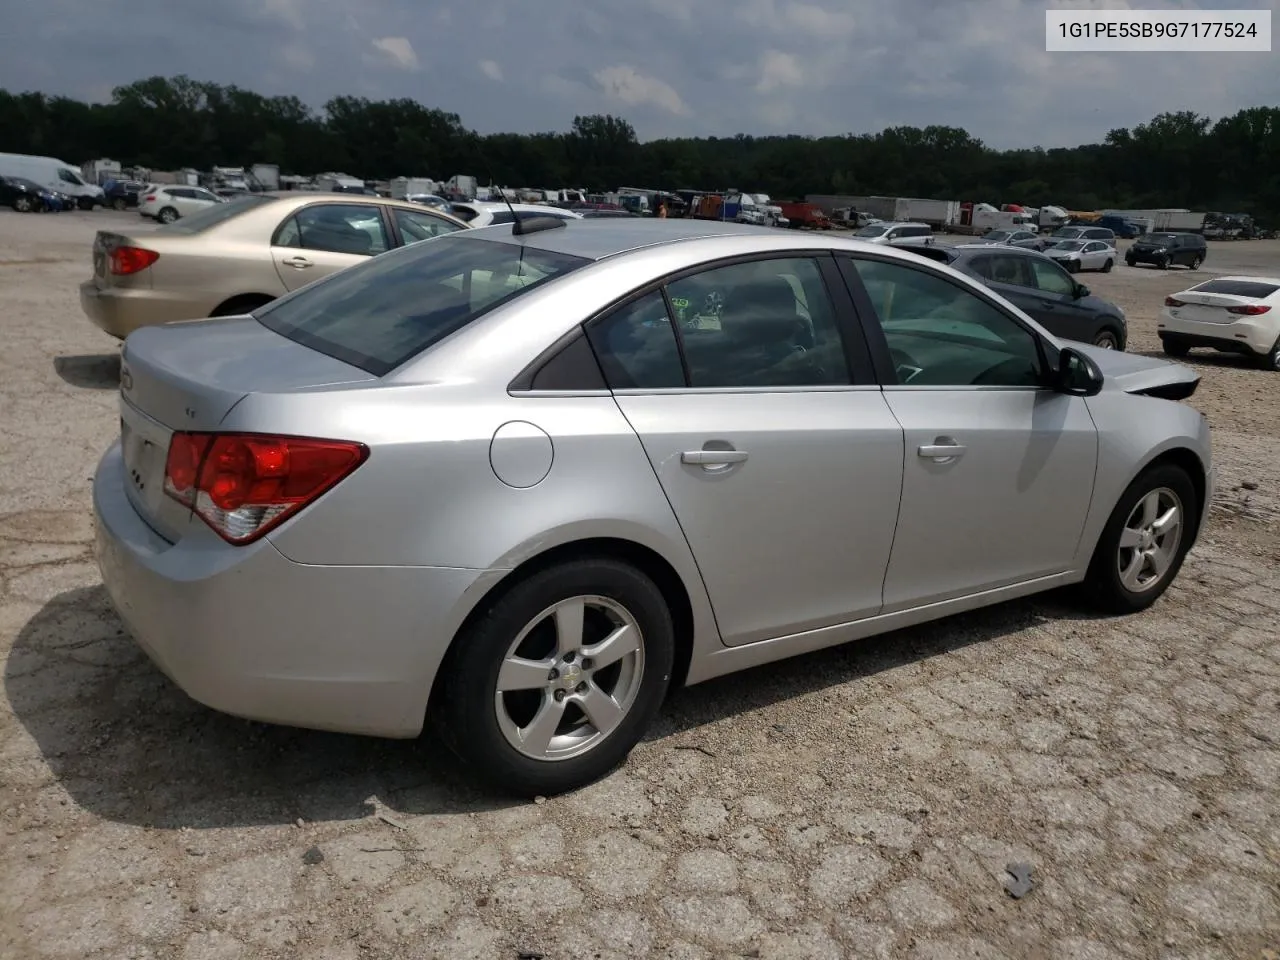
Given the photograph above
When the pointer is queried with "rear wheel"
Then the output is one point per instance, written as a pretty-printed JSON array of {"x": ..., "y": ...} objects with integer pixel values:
[
  {"x": 1196, "y": 261},
  {"x": 1131, "y": 261},
  {"x": 1106, "y": 267},
  {"x": 119, "y": 204},
  {"x": 167, "y": 215},
  {"x": 1174, "y": 348},
  {"x": 1073, "y": 266},
  {"x": 554, "y": 683},
  {"x": 1144, "y": 542},
  {"x": 1163, "y": 263},
  {"x": 1272, "y": 360}
]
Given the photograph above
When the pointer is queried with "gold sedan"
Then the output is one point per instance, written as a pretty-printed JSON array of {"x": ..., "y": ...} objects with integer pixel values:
[{"x": 234, "y": 257}]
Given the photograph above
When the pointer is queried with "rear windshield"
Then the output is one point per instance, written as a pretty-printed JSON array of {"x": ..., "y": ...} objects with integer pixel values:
[
  {"x": 1258, "y": 289},
  {"x": 212, "y": 216},
  {"x": 377, "y": 315},
  {"x": 872, "y": 230},
  {"x": 1159, "y": 239}
]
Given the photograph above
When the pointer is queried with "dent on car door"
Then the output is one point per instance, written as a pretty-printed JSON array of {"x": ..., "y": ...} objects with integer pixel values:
[
  {"x": 999, "y": 471},
  {"x": 777, "y": 452},
  {"x": 325, "y": 238}
]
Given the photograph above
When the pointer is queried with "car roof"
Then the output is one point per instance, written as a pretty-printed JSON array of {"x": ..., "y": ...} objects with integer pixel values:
[
  {"x": 899, "y": 223},
  {"x": 962, "y": 249},
  {"x": 599, "y": 238}
]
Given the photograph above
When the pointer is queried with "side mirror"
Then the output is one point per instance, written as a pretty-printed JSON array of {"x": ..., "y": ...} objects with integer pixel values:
[
  {"x": 1078, "y": 375},
  {"x": 1081, "y": 291}
]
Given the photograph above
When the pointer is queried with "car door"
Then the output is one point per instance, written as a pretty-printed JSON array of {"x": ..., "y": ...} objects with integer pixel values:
[
  {"x": 999, "y": 470},
  {"x": 1008, "y": 275},
  {"x": 1060, "y": 309},
  {"x": 324, "y": 238},
  {"x": 758, "y": 412}
]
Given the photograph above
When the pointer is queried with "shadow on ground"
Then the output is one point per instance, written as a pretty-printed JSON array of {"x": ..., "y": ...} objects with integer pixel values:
[
  {"x": 96, "y": 371},
  {"x": 128, "y": 746}
]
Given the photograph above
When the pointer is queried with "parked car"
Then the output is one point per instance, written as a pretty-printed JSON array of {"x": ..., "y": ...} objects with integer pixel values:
[
  {"x": 123, "y": 194},
  {"x": 170, "y": 203},
  {"x": 1230, "y": 314},
  {"x": 52, "y": 174},
  {"x": 344, "y": 511},
  {"x": 1084, "y": 233},
  {"x": 1167, "y": 249},
  {"x": 1077, "y": 255},
  {"x": 1040, "y": 287},
  {"x": 25, "y": 196},
  {"x": 233, "y": 257},
  {"x": 1012, "y": 238},
  {"x": 896, "y": 233},
  {"x": 484, "y": 213},
  {"x": 1120, "y": 226}
]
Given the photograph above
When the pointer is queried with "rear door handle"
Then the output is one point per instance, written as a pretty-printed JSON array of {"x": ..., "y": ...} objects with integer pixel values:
[
  {"x": 713, "y": 458},
  {"x": 300, "y": 263},
  {"x": 942, "y": 451}
]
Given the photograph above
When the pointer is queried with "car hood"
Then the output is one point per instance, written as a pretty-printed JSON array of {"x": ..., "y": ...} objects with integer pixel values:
[
  {"x": 1062, "y": 254},
  {"x": 1135, "y": 373}
]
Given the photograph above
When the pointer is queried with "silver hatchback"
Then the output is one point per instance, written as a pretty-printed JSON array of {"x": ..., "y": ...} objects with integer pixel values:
[{"x": 520, "y": 481}]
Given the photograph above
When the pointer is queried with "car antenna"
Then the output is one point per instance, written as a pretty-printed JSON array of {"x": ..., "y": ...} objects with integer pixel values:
[{"x": 519, "y": 227}]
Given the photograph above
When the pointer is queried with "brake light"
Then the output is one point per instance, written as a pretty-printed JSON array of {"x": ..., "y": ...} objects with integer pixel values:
[
  {"x": 244, "y": 484},
  {"x": 127, "y": 260},
  {"x": 1250, "y": 310},
  {"x": 1174, "y": 302}
]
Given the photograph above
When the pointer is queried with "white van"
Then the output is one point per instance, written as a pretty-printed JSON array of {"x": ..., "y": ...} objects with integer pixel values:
[{"x": 54, "y": 174}]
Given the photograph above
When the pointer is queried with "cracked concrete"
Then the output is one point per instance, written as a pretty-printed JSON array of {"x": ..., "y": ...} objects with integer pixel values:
[{"x": 861, "y": 802}]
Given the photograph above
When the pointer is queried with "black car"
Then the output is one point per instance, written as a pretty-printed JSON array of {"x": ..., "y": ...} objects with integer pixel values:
[
  {"x": 122, "y": 194},
  {"x": 1167, "y": 249},
  {"x": 23, "y": 195},
  {"x": 1040, "y": 288}
]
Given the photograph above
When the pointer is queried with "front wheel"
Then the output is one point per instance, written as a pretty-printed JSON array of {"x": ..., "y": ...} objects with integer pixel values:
[
  {"x": 1196, "y": 261},
  {"x": 554, "y": 683},
  {"x": 1131, "y": 261},
  {"x": 119, "y": 203},
  {"x": 22, "y": 204},
  {"x": 1163, "y": 263},
  {"x": 1144, "y": 542},
  {"x": 1107, "y": 340},
  {"x": 1073, "y": 266}
]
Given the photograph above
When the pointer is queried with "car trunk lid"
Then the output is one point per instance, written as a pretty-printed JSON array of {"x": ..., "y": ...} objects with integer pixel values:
[
  {"x": 188, "y": 376},
  {"x": 1209, "y": 307}
]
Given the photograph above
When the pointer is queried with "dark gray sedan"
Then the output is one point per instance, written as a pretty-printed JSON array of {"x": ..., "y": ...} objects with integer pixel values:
[{"x": 1040, "y": 287}]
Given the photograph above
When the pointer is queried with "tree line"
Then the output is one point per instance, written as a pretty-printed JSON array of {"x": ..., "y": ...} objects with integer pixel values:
[{"x": 1177, "y": 159}]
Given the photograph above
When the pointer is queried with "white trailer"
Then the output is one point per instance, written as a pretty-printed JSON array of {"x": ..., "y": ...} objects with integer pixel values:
[
  {"x": 267, "y": 175},
  {"x": 1166, "y": 218},
  {"x": 52, "y": 173},
  {"x": 402, "y": 188},
  {"x": 461, "y": 185}
]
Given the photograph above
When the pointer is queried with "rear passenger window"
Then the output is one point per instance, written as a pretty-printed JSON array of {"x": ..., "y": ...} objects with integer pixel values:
[{"x": 636, "y": 346}]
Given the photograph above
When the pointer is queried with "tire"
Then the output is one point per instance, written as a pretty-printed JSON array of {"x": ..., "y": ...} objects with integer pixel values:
[
  {"x": 1107, "y": 339},
  {"x": 1195, "y": 262},
  {"x": 1271, "y": 361},
  {"x": 1174, "y": 348},
  {"x": 1106, "y": 267},
  {"x": 1163, "y": 263},
  {"x": 22, "y": 204},
  {"x": 483, "y": 726},
  {"x": 1160, "y": 492},
  {"x": 167, "y": 215},
  {"x": 84, "y": 203},
  {"x": 1073, "y": 267},
  {"x": 1131, "y": 261},
  {"x": 119, "y": 203}
]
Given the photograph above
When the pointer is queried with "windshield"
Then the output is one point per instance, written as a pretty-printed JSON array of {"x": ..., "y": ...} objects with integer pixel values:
[
  {"x": 1068, "y": 245},
  {"x": 1068, "y": 232},
  {"x": 214, "y": 215},
  {"x": 1159, "y": 239},
  {"x": 377, "y": 315},
  {"x": 872, "y": 230}
]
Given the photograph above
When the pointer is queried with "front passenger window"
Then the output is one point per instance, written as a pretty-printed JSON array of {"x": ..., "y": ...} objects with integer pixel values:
[
  {"x": 1051, "y": 278},
  {"x": 942, "y": 335}
]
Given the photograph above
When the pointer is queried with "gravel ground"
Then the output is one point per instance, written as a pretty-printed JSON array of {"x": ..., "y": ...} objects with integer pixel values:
[{"x": 860, "y": 802}]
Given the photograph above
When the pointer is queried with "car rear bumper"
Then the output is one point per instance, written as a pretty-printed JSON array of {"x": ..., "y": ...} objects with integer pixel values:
[
  {"x": 1247, "y": 336},
  {"x": 121, "y": 310},
  {"x": 246, "y": 631}
]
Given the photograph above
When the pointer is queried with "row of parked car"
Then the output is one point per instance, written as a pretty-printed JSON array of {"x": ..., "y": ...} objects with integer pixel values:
[{"x": 27, "y": 196}]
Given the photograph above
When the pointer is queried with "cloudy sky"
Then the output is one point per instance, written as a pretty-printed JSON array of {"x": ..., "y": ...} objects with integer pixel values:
[{"x": 672, "y": 67}]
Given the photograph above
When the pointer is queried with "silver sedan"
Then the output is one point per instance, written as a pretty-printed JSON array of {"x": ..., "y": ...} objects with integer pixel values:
[
  {"x": 1077, "y": 255},
  {"x": 521, "y": 481}
]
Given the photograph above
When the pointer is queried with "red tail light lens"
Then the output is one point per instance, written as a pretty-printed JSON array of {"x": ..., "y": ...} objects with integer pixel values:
[
  {"x": 244, "y": 484},
  {"x": 1250, "y": 310},
  {"x": 1174, "y": 302},
  {"x": 127, "y": 260}
]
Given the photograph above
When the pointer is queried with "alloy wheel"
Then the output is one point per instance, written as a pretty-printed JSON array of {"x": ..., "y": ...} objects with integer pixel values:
[
  {"x": 1150, "y": 540},
  {"x": 569, "y": 678}
]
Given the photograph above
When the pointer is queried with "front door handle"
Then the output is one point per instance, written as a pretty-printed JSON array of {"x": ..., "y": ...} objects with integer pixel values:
[
  {"x": 298, "y": 263},
  {"x": 713, "y": 459},
  {"x": 942, "y": 450}
]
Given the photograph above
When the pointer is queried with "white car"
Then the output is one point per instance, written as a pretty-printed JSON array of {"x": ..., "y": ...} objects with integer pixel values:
[
  {"x": 1230, "y": 314},
  {"x": 481, "y": 213},
  {"x": 1077, "y": 255},
  {"x": 169, "y": 203}
]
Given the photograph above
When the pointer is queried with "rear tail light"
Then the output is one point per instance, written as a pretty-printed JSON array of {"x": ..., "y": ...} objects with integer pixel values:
[
  {"x": 1174, "y": 302},
  {"x": 1250, "y": 310},
  {"x": 244, "y": 484},
  {"x": 127, "y": 260}
]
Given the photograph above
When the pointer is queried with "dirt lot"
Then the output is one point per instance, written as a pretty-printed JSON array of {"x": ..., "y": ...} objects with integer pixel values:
[{"x": 862, "y": 802}]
